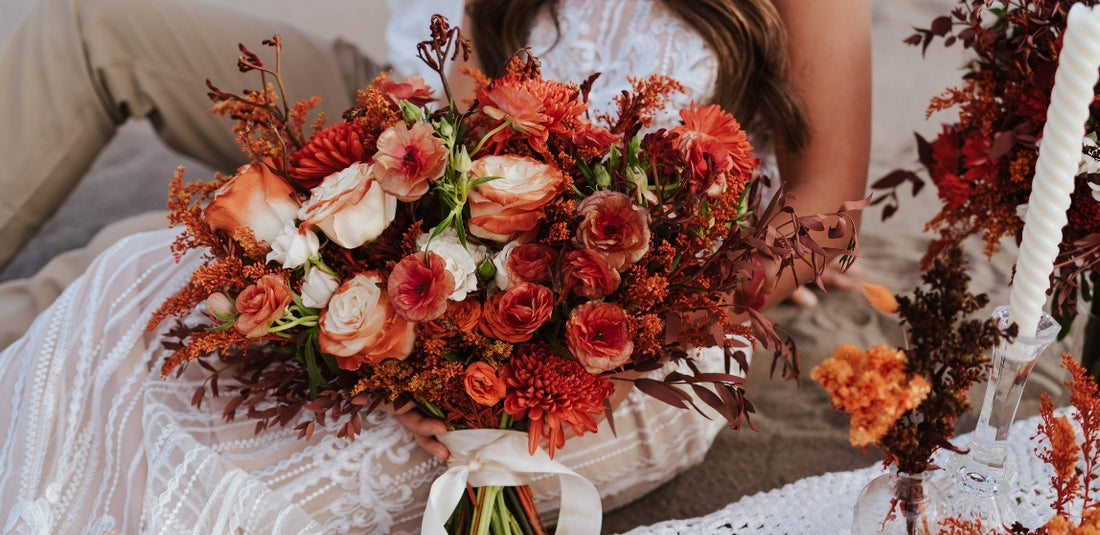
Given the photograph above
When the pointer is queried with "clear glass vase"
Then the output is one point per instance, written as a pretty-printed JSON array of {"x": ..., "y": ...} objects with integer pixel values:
[
  {"x": 899, "y": 503},
  {"x": 978, "y": 484}
]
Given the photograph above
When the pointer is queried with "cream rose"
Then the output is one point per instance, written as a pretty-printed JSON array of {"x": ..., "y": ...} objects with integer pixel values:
[
  {"x": 318, "y": 287},
  {"x": 349, "y": 207},
  {"x": 360, "y": 326},
  {"x": 506, "y": 206},
  {"x": 461, "y": 261}
]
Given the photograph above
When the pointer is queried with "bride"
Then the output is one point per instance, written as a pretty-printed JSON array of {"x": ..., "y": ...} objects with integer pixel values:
[{"x": 94, "y": 441}]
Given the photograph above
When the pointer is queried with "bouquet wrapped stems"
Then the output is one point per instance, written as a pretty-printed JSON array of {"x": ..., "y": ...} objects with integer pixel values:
[{"x": 497, "y": 510}]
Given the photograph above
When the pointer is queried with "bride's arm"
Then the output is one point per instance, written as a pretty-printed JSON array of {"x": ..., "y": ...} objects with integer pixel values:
[{"x": 830, "y": 72}]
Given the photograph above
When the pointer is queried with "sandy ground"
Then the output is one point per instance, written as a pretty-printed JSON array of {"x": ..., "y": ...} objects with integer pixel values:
[{"x": 800, "y": 435}]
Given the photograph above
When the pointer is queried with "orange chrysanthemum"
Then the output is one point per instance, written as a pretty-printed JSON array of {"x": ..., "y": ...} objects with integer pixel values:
[
  {"x": 552, "y": 392},
  {"x": 873, "y": 388}
]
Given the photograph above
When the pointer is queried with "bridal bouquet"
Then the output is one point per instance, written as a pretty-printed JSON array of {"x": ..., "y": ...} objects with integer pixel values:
[
  {"x": 496, "y": 266},
  {"x": 982, "y": 163}
]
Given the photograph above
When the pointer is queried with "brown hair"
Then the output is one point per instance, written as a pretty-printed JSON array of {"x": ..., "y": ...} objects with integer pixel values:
[{"x": 747, "y": 36}]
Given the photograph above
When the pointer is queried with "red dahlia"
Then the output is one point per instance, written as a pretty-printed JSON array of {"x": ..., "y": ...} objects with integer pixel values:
[{"x": 328, "y": 151}]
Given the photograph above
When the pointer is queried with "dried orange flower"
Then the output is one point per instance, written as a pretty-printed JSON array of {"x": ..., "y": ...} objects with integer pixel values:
[
  {"x": 873, "y": 387},
  {"x": 880, "y": 298}
]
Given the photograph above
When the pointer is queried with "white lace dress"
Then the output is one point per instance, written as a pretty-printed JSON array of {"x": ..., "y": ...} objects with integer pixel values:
[{"x": 94, "y": 441}]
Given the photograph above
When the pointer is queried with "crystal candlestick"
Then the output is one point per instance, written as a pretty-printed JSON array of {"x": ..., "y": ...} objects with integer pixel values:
[{"x": 978, "y": 484}]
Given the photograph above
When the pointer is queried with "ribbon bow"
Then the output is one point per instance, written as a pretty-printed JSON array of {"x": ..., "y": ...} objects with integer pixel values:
[{"x": 495, "y": 457}]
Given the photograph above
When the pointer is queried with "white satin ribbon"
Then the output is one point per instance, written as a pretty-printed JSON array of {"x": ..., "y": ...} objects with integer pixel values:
[{"x": 495, "y": 457}]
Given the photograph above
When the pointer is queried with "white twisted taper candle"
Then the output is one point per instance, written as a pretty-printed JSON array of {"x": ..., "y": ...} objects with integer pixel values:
[{"x": 1059, "y": 154}]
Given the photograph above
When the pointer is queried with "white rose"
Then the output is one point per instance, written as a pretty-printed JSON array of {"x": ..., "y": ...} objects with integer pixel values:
[
  {"x": 293, "y": 247},
  {"x": 460, "y": 262},
  {"x": 349, "y": 207},
  {"x": 1088, "y": 164},
  {"x": 318, "y": 287},
  {"x": 501, "y": 262}
]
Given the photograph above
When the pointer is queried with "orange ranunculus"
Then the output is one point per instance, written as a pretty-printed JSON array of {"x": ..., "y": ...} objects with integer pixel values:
[
  {"x": 711, "y": 135},
  {"x": 512, "y": 204},
  {"x": 460, "y": 317},
  {"x": 407, "y": 159},
  {"x": 531, "y": 262},
  {"x": 256, "y": 198},
  {"x": 419, "y": 285},
  {"x": 588, "y": 274},
  {"x": 359, "y": 325},
  {"x": 260, "y": 304},
  {"x": 515, "y": 314},
  {"x": 613, "y": 225},
  {"x": 482, "y": 384},
  {"x": 411, "y": 88},
  {"x": 597, "y": 334}
]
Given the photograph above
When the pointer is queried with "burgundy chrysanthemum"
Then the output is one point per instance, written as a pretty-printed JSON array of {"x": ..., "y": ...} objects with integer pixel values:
[
  {"x": 552, "y": 392},
  {"x": 330, "y": 150}
]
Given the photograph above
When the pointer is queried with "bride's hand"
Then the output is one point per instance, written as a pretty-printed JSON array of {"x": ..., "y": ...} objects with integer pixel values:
[
  {"x": 832, "y": 277},
  {"x": 423, "y": 428}
]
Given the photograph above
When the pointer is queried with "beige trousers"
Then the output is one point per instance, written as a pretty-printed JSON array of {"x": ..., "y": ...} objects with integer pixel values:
[{"x": 75, "y": 70}]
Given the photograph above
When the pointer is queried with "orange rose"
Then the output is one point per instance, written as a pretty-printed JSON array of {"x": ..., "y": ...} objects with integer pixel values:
[
  {"x": 515, "y": 314},
  {"x": 260, "y": 304},
  {"x": 597, "y": 334},
  {"x": 255, "y": 198},
  {"x": 613, "y": 225},
  {"x": 482, "y": 384},
  {"x": 512, "y": 204},
  {"x": 360, "y": 326}
]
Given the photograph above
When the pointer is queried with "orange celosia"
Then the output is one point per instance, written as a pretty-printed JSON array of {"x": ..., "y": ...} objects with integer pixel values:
[{"x": 872, "y": 387}]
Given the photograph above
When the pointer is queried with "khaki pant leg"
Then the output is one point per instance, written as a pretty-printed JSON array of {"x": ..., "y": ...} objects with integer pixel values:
[{"x": 76, "y": 69}]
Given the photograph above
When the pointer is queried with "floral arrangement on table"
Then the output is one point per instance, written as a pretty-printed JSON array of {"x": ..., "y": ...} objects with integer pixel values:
[
  {"x": 906, "y": 400},
  {"x": 1075, "y": 462},
  {"x": 497, "y": 267},
  {"x": 982, "y": 164}
]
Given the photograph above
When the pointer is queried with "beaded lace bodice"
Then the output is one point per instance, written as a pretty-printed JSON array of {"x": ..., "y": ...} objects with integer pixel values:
[
  {"x": 617, "y": 38},
  {"x": 622, "y": 39}
]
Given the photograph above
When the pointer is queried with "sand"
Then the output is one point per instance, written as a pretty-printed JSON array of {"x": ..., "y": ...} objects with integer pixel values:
[{"x": 800, "y": 435}]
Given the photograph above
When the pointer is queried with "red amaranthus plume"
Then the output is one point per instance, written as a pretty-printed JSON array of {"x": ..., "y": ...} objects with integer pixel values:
[
  {"x": 552, "y": 392},
  {"x": 330, "y": 150}
]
